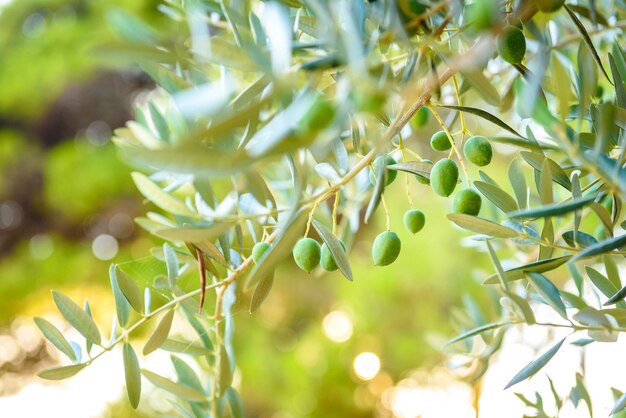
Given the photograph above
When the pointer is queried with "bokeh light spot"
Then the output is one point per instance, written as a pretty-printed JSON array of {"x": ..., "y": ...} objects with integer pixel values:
[
  {"x": 104, "y": 247},
  {"x": 366, "y": 365},
  {"x": 337, "y": 326}
]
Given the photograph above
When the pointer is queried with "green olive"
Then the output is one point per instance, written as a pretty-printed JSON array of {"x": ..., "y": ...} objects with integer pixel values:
[
  {"x": 258, "y": 250},
  {"x": 478, "y": 150},
  {"x": 466, "y": 201},
  {"x": 511, "y": 45},
  {"x": 483, "y": 15},
  {"x": 319, "y": 115},
  {"x": 420, "y": 119},
  {"x": 307, "y": 254},
  {"x": 549, "y": 6},
  {"x": 443, "y": 177},
  {"x": 327, "y": 261},
  {"x": 390, "y": 175},
  {"x": 414, "y": 220},
  {"x": 421, "y": 179},
  {"x": 386, "y": 248},
  {"x": 440, "y": 141}
]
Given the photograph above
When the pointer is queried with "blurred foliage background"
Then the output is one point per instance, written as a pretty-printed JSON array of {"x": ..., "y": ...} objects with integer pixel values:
[{"x": 66, "y": 209}]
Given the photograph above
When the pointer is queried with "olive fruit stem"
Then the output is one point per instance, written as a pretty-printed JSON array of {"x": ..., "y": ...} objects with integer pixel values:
[
  {"x": 310, "y": 219},
  {"x": 461, "y": 114},
  {"x": 335, "y": 207},
  {"x": 406, "y": 175},
  {"x": 387, "y": 219},
  {"x": 454, "y": 148}
]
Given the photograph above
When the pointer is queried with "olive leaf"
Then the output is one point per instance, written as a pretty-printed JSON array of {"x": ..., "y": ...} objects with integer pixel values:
[
  {"x": 335, "y": 248},
  {"x": 55, "y": 337},
  {"x": 534, "y": 366},
  {"x": 132, "y": 375},
  {"x": 77, "y": 317},
  {"x": 160, "y": 333},
  {"x": 482, "y": 226}
]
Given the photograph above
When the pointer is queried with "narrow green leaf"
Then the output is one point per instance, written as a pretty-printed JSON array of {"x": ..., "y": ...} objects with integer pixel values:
[
  {"x": 604, "y": 285},
  {"x": 485, "y": 115},
  {"x": 619, "y": 405},
  {"x": 197, "y": 326},
  {"x": 156, "y": 195},
  {"x": 559, "y": 175},
  {"x": 620, "y": 92},
  {"x": 160, "y": 123},
  {"x": 587, "y": 39},
  {"x": 185, "y": 347},
  {"x": 601, "y": 247},
  {"x": 194, "y": 233},
  {"x": 186, "y": 375},
  {"x": 336, "y": 250},
  {"x": 132, "y": 375},
  {"x": 545, "y": 184},
  {"x": 225, "y": 373},
  {"x": 131, "y": 291},
  {"x": 234, "y": 403},
  {"x": 122, "y": 307},
  {"x": 580, "y": 238},
  {"x": 171, "y": 262},
  {"x": 180, "y": 391},
  {"x": 497, "y": 196},
  {"x": 524, "y": 306},
  {"x": 190, "y": 158},
  {"x": 483, "y": 86},
  {"x": 77, "y": 317},
  {"x": 621, "y": 294},
  {"x": 553, "y": 209},
  {"x": 55, "y": 337},
  {"x": 540, "y": 266},
  {"x": 518, "y": 182},
  {"x": 210, "y": 250},
  {"x": 534, "y": 366},
  {"x": 548, "y": 291},
  {"x": 418, "y": 168},
  {"x": 476, "y": 331},
  {"x": 160, "y": 333},
  {"x": 60, "y": 373},
  {"x": 482, "y": 226},
  {"x": 498, "y": 266},
  {"x": 291, "y": 230},
  {"x": 261, "y": 291},
  {"x": 572, "y": 300},
  {"x": 379, "y": 188}
]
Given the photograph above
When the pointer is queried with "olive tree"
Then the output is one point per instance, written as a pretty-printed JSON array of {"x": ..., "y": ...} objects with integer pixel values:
[{"x": 276, "y": 128}]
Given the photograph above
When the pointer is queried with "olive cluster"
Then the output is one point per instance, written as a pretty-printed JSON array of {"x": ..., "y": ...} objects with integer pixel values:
[{"x": 444, "y": 176}]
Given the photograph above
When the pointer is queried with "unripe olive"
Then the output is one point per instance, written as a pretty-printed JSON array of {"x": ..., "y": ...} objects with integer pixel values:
[
  {"x": 440, "y": 142},
  {"x": 424, "y": 180},
  {"x": 443, "y": 177},
  {"x": 411, "y": 8},
  {"x": 511, "y": 45},
  {"x": 420, "y": 119},
  {"x": 328, "y": 262},
  {"x": 386, "y": 248},
  {"x": 466, "y": 201},
  {"x": 478, "y": 150},
  {"x": 368, "y": 100},
  {"x": 258, "y": 250},
  {"x": 483, "y": 15},
  {"x": 549, "y": 6},
  {"x": 389, "y": 176},
  {"x": 318, "y": 116},
  {"x": 307, "y": 254},
  {"x": 414, "y": 220}
]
